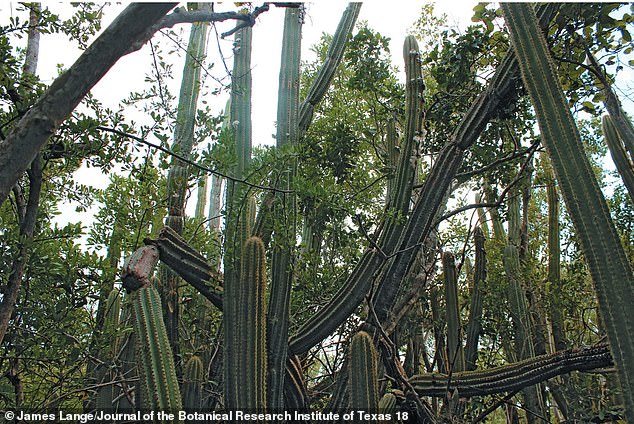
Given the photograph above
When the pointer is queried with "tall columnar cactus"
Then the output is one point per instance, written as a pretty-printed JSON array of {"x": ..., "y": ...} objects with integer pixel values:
[
  {"x": 177, "y": 178},
  {"x": 400, "y": 198},
  {"x": 518, "y": 303},
  {"x": 250, "y": 330},
  {"x": 444, "y": 170},
  {"x": 554, "y": 257},
  {"x": 193, "y": 377},
  {"x": 285, "y": 205},
  {"x": 363, "y": 373},
  {"x": 618, "y": 153},
  {"x": 327, "y": 71},
  {"x": 387, "y": 404},
  {"x": 392, "y": 149},
  {"x": 240, "y": 112},
  {"x": 112, "y": 320},
  {"x": 159, "y": 385},
  {"x": 607, "y": 261},
  {"x": 455, "y": 351},
  {"x": 405, "y": 154},
  {"x": 111, "y": 342},
  {"x": 414, "y": 87},
  {"x": 201, "y": 198},
  {"x": 620, "y": 120},
  {"x": 474, "y": 327},
  {"x": 158, "y": 382}
]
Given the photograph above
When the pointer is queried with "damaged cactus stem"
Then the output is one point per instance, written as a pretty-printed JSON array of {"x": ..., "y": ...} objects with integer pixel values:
[{"x": 138, "y": 268}]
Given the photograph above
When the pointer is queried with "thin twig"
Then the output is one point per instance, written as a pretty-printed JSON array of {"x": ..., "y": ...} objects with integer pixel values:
[
  {"x": 190, "y": 162},
  {"x": 500, "y": 199}
]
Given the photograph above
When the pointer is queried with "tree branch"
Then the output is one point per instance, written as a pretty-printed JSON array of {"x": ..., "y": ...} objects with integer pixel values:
[
  {"x": 183, "y": 16},
  {"x": 30, "y": 134},
  {"x": 464, "y": 176}
]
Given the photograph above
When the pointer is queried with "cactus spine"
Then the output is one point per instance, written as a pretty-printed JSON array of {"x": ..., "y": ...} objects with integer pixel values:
[
  {"x": 607, "y": 261},
  {"x": 193, "y": 377},
  {"x": 618, "y": 153},
  {"x": 159, "y": 385},
  {"x": 251, "y": 328},
  {"x": 363, "y": 374}
]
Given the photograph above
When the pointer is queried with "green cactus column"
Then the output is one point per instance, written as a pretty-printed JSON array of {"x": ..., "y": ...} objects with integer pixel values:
[
  {"x": 110, "y": 343},
  {"x": 159, "y": 385},
  {"x": 455, "y": 351},
  {"x": 193, "y": 377},
  {"x": 554, "y": 257},
  {"x": 240, "y": 131},
  {"x": 363, "y": 373},
  {"x": 618, "y": 153},
  {"x": 400, "y": 198},
  {"x": 474, "y": 326},
  {"x": 327, "y": 71},
  {"x": 285, "y": 206},
  {"x": 608, "y": 264},
  {"x": 250, "y": 331},
  {"x": 518, "y": 305},
  {"x": 178, "y": 176}
]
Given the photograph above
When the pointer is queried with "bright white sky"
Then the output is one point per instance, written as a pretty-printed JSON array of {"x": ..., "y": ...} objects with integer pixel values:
[{"x": 390, "y": 19}]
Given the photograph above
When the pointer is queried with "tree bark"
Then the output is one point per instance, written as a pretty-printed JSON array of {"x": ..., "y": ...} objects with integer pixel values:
[{"x": 26, "y": 139}]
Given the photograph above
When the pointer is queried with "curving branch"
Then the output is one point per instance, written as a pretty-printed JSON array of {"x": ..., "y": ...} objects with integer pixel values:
[
  {"x": 531, "y": 151},
  {"x": 514, "y": 377}
]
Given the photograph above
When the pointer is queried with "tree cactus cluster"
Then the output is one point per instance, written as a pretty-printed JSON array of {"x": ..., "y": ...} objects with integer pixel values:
[{"x": 262, "y": 360}]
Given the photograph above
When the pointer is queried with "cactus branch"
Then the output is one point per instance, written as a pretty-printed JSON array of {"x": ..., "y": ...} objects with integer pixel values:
[
  {"x": 327, "y": 71},
  {"x": 514, "y": 377}
]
